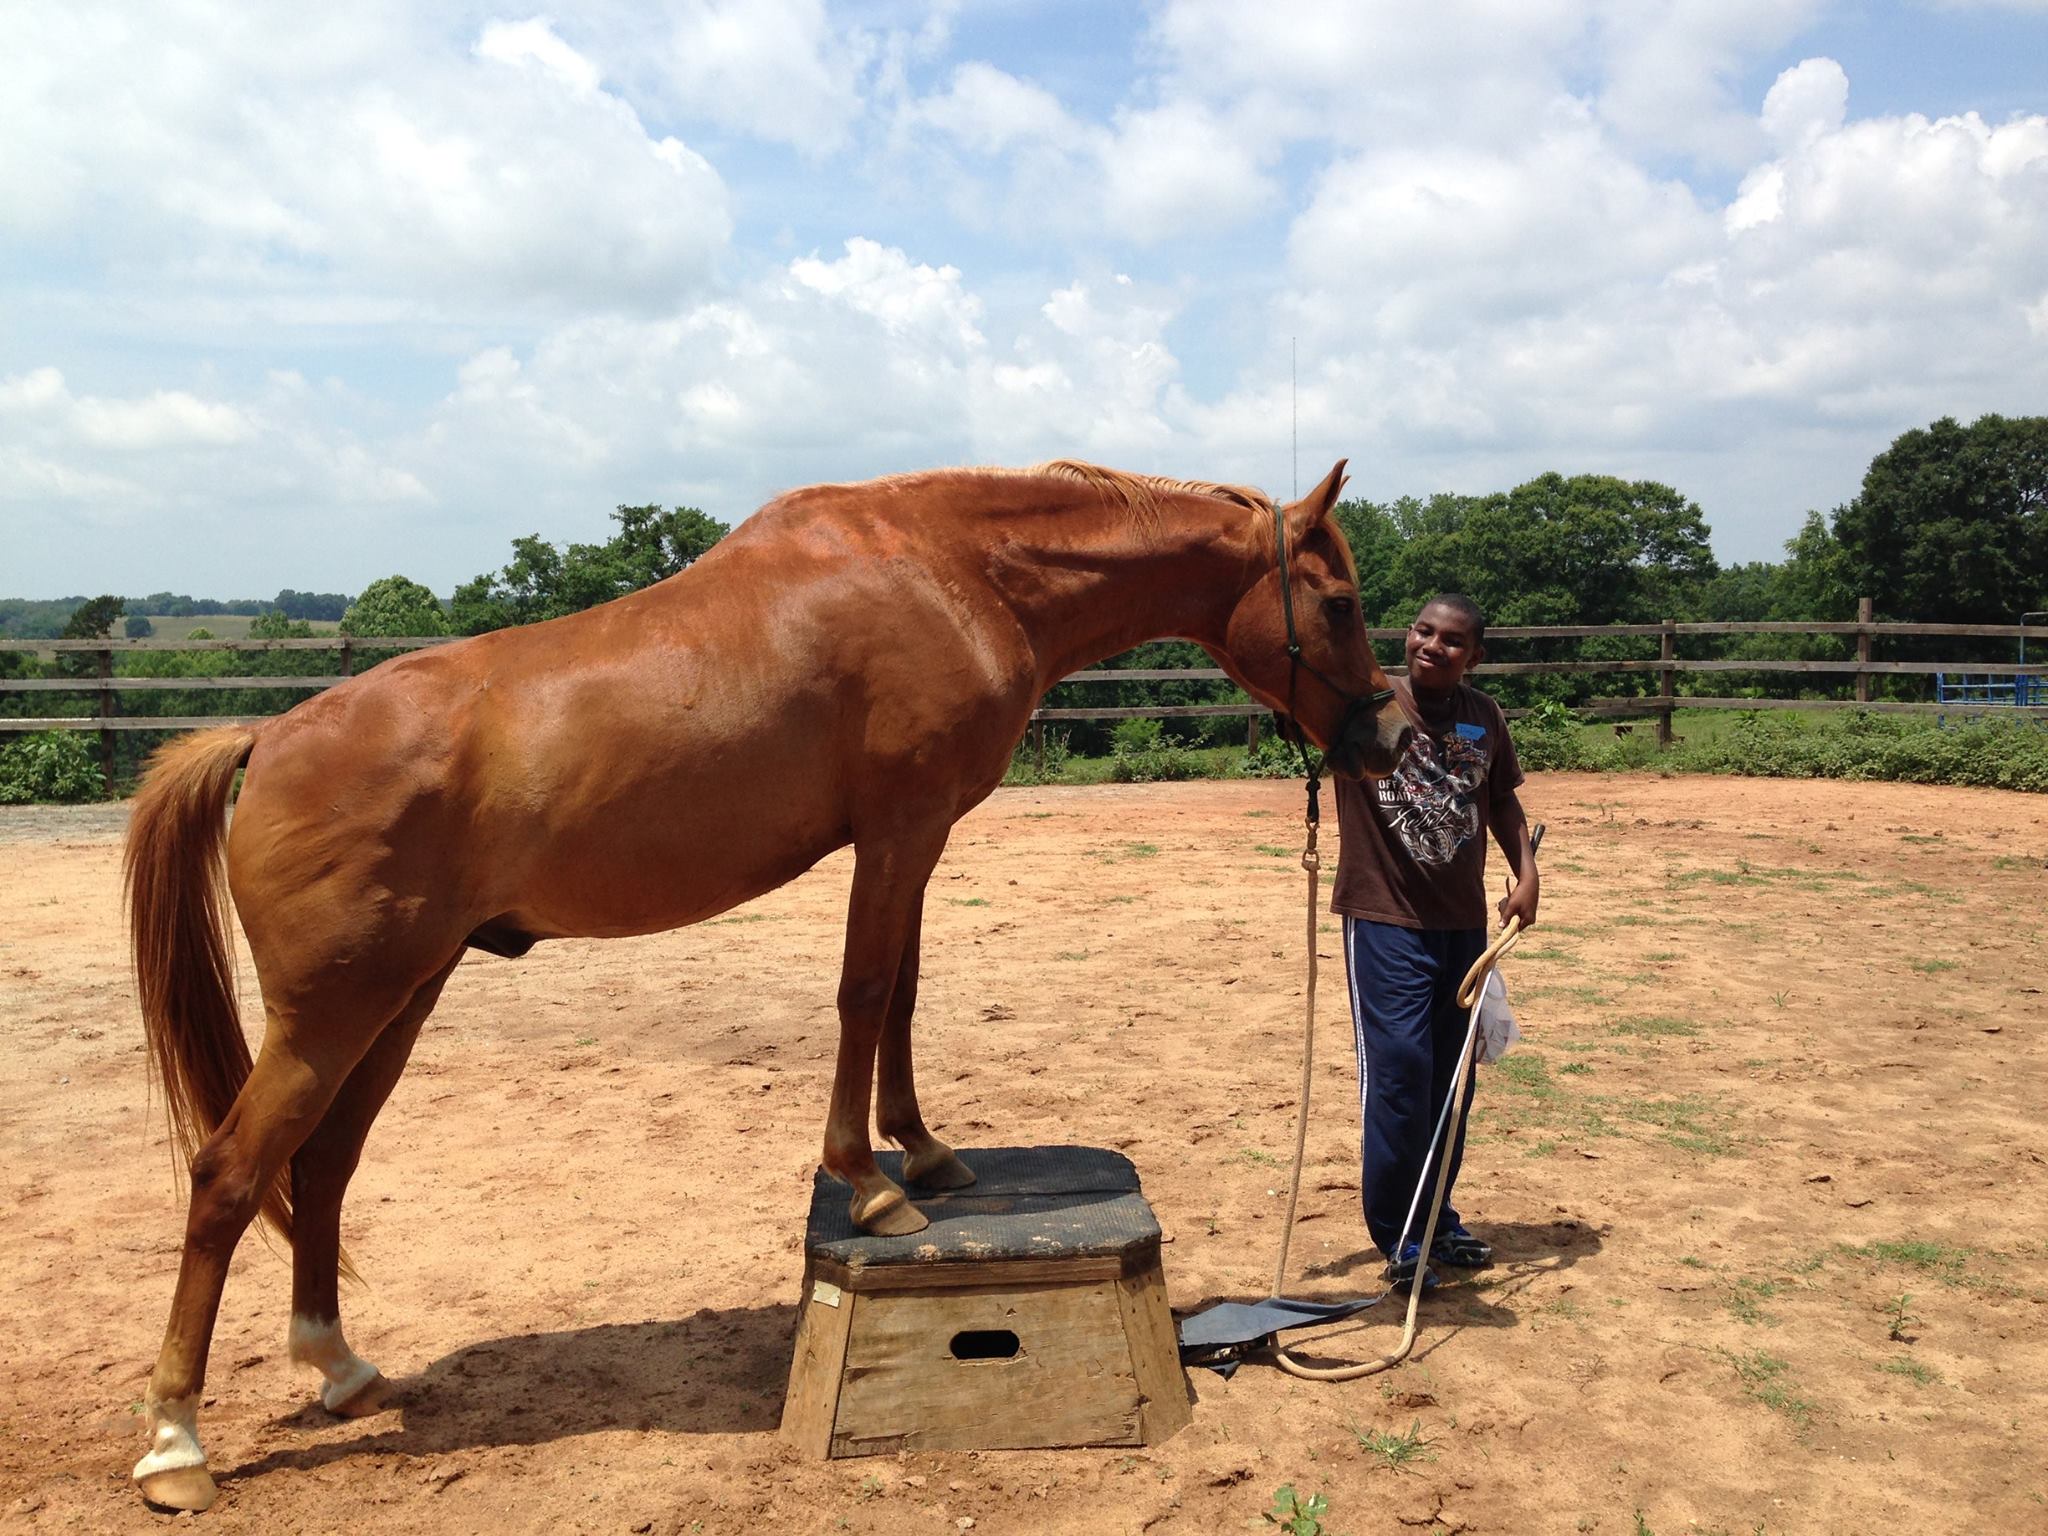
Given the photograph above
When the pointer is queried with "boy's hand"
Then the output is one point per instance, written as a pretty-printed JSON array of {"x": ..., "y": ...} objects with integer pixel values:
[{"x": 1521, "y": 901}]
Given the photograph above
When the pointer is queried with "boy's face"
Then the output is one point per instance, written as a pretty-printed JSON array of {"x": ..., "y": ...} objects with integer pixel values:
[{"x": 1441, "y": 649}]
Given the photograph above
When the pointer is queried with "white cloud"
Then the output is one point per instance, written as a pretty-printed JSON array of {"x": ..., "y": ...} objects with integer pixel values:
[
  {"x": 1806, "y": 101},
  {"x": 1671, "y": 68},
  {"x": 779, "y": 69},
  {"x": 989, "y": 111},
  {"x": 909, "y": 300},
  {"x": 535, "y": 42},
  {"x": 1154, "y": 173},
  {"x": 1492, "y": 313},
  {"x": 228, "y": 148},
  {"x": 39, "y": 402}
]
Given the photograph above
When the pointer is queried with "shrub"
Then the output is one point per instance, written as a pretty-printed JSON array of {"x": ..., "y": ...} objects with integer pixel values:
[
  {"x": 51, "y": 765},
  {"x": 1141, "y": 752},
  {"x": 1272, "y": 758},
  {"x": 1988, "y": 753},
  {"x": 1549, "y": 737},
  {"x": 1023, "y": 767}
]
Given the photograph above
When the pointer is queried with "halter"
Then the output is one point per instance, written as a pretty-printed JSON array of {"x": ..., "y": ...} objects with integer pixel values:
[{"x": 1297, "y": 664}]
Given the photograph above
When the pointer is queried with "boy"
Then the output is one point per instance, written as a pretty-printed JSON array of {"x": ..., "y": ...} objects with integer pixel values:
[{"x": 1411, "y": 890}]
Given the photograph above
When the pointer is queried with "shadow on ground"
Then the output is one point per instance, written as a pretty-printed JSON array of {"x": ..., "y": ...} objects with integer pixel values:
[{"x": 716, "y": 1372}]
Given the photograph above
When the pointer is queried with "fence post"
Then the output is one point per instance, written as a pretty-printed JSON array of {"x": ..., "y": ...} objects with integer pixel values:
[
  {"x": 1863, "y": 610},
  {"x": 1038, "y": 745},
  {"x": 106, "y": 669},
  {"x": 1667, "y": 650},
  {"x": 1251, "y": 739},
  {"x": 348, "y": 658}
]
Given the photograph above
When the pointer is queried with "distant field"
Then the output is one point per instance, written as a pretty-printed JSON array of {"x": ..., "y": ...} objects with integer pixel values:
[{"x": 222, "y": 626}]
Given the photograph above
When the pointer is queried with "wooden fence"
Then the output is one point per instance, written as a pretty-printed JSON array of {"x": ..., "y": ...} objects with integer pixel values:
[{"x": 1667, "y": 666}]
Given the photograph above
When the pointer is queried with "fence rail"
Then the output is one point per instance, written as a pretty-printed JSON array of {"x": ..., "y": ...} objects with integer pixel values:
[{"x": 1667, "y": 666}]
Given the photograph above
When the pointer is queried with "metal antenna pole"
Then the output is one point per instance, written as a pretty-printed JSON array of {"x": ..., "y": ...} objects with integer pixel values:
[{"x": 1294, "y": 405}]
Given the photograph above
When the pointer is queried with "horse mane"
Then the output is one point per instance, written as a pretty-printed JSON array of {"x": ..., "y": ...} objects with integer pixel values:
[
  {"x": 1141, "y": 493},
  {"x": 1138, "y": 494}
]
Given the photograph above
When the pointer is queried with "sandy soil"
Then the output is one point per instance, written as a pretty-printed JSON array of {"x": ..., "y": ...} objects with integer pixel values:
[{"x": 1785, "y": 1064}]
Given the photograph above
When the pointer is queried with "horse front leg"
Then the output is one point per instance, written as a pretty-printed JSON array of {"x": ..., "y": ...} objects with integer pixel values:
[
  {"x": 890, "y": 869},
  {"x": 927, "y": 1161}
]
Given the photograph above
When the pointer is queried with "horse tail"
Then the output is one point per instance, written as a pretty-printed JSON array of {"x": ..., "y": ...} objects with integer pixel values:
[{"x": 174, "y": 871}]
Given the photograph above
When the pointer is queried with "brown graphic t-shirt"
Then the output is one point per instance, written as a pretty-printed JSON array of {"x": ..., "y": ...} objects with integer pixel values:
[{"x": 1413, "y": 849}]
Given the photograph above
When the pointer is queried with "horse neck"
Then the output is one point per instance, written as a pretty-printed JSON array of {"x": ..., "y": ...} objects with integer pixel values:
[{"x": 1081, "y": 598}]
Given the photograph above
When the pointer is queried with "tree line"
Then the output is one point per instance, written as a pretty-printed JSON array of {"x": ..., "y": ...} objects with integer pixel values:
[{"x": 1950, "y": 524}]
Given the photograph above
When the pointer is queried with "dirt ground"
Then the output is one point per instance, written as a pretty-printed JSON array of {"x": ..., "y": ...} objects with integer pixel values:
[{"x": 1767, "y": 1184}]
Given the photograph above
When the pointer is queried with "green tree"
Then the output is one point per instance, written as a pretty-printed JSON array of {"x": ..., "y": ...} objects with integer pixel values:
[
  {"x": 1951, "y": 524},
  {"x": 1374, "y": 534},
  {"x": 138, "y": 627},
  {"x": 1816, "y": 581},
  {"x": 543, "y": 582},
  {"x": 395, "y": 606},
  {"x": 274, "y": 625},
  {"x": 1589, "y": 549},
  {"x": 93, "y": 620}
]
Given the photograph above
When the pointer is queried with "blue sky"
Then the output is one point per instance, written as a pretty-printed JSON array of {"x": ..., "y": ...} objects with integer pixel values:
[{"x": 303, "y": 300}]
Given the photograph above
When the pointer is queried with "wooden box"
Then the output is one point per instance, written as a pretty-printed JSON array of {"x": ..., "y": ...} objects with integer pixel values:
[{"x": 1030, "y": 1313}]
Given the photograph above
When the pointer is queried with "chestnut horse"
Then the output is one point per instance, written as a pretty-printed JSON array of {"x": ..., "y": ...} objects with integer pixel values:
[{"x": 854, "y": 664}]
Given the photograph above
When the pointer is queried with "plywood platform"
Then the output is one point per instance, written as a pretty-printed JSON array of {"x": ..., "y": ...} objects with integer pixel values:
[{"x": 1031, "y": 1312}]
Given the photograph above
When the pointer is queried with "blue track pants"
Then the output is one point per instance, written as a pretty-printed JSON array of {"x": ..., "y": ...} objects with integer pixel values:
[{"x": 1409, "y": 1030}]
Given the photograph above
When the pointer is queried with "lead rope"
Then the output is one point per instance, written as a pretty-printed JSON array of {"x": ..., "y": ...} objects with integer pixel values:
[
  {"x": 1311, "y": 861},
  {"x": 1471, "y": 991}
]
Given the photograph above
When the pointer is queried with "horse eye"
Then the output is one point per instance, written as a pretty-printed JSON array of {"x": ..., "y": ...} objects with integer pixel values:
[{"x": 1340, "y": 609}]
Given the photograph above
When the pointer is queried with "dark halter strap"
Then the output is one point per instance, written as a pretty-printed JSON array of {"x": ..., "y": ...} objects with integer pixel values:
[{"x": 1297, "y": 663}]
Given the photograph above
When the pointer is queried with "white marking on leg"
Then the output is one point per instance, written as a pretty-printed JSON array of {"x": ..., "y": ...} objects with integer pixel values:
[
  {"x": 320, "y": 1344},
  {"x": 173, "y": 1437}
]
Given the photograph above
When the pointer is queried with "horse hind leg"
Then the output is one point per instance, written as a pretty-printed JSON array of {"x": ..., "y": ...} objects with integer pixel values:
[
  {"x": 283, "y": 1099},
  {"x": 351, "y": 1386},
  {"x": 928, "y": 1162}
]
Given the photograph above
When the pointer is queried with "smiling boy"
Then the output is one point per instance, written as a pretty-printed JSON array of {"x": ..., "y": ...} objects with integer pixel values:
[{"x": 1411, "y": 890}]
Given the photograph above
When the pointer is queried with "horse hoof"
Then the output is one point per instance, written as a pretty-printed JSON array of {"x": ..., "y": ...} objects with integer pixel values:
[
  {"x": 938, "y": 1170},
  {"x": 371, "y": 1397},
  {"x": 180, "y": 1488},
  {"x": 889, "y": 1214}
]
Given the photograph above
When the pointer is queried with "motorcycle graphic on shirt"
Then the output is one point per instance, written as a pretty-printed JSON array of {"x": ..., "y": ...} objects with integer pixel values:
[{"x": 1430, "y": 804}]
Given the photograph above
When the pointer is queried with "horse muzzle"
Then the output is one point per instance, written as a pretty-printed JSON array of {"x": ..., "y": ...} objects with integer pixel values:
[{"x": 1368, "y": 744}]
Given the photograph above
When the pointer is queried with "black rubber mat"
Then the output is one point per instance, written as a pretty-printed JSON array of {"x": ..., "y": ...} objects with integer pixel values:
[{"x": 1026, "y": 1203}]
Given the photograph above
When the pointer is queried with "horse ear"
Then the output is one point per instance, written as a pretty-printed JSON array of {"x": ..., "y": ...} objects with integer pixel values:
[{"x": 1316, "y": 505}]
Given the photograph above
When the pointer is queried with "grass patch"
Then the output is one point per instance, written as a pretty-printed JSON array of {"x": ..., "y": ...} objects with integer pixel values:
[
  {"x": 1551, "y": 953},
  {"x": 1745, "y": 1302},
  {"x": 1690, "y": 1122},
  {"x": 1652, "y": 1026},
  {"x": 1592, "y": 997},
  {"x": 1930, "y": 967},
  {"x": 1944, "y": 1261},
  {"x": 1269, "y": 849},
  {"x": 1920, "y": 1375},
  {"x": 966, "y": 901},
  {"x": 1394, "y": 1451},
  {"x": 1764, "y": 1380},
  {"x": 1127, "y": 851}
]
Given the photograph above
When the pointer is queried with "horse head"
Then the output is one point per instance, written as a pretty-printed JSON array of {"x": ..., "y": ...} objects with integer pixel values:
[{"x": 1297, "y": 641}]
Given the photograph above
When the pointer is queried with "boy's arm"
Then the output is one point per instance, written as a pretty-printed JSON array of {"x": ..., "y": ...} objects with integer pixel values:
[{"x": 1511, "y": 831}]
